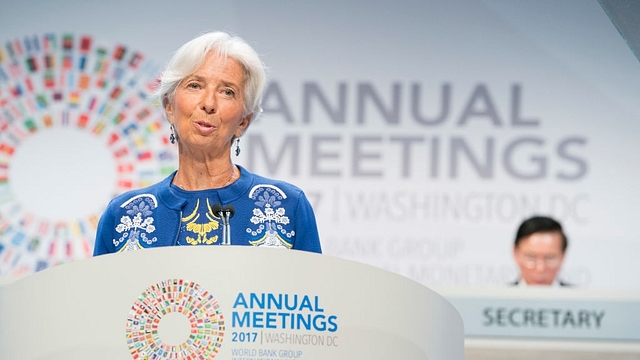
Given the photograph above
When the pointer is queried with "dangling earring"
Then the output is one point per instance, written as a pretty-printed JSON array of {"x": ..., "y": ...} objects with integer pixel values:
[
  {"x": 172, "y": 137},
  {"x": 237, "y": 146}
]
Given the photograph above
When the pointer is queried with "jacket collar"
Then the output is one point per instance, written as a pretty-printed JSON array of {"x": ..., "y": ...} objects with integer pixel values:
[{"x": 227, "y": 194}]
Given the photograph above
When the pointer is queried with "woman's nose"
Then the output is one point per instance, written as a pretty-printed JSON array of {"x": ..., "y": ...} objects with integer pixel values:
[{"x": 209, "y": 102}]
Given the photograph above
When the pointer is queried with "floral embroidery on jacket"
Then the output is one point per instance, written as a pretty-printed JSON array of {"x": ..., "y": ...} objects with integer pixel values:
[
  {"x": 137, "y": 224},
  {"x": 273, "y": 225}
]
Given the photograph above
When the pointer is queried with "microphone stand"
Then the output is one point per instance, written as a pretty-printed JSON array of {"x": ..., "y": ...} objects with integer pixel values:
[{"x": 225, "y": 214}]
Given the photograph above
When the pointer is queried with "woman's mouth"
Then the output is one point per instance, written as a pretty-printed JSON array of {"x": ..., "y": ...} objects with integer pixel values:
[{"x": 204, "y": 127}]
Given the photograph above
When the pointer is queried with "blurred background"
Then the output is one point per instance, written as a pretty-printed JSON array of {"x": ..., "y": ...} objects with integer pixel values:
[{"x": 423, "y": 132}]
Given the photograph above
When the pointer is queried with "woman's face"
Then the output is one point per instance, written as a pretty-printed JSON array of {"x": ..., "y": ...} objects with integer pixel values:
[{"x": 208, "y": 107}]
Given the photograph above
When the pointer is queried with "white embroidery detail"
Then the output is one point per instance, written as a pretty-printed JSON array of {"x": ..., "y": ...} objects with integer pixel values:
[
  {"x": 135, "y": 229},
  {"x": 269, "y": 217},
  {"x": 284, "y": 196}
]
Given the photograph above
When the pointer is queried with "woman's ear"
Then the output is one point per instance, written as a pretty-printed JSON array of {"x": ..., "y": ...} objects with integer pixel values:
[
  {"x": 244, "y": 124},
  {"x": 168, "y": 109}
]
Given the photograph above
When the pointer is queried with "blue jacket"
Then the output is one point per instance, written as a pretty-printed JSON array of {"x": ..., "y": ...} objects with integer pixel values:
[{"x": 267, "y": 213}]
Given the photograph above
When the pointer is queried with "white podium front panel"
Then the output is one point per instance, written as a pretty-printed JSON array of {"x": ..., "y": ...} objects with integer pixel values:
[{"x": 235, "y": 303}]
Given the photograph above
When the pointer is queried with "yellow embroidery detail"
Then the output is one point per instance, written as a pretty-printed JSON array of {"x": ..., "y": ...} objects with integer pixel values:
[{"x": 201, "y": 230}]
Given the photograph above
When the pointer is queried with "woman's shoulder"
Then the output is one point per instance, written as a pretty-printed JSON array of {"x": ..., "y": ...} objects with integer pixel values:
[
  {"x": 260, "y": 185},
  {"x": 150, "y": 192},
  {"x": 260, "y": 181}
]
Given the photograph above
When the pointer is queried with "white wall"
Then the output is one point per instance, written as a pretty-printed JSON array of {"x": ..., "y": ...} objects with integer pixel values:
[{"x": 561, "y": 64}]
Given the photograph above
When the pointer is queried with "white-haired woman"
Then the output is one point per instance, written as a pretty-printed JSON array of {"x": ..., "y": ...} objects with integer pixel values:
[{"x": 211, "y": 92}]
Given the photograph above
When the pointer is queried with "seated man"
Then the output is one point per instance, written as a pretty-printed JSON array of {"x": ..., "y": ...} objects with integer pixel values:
[{"x": 539, "y": 250}]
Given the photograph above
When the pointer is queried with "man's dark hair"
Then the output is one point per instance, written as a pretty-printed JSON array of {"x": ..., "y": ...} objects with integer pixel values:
[{"x": 539, "y": 224}]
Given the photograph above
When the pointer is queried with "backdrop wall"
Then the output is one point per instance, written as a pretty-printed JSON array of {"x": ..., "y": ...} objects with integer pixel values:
[{"x": 422, "y": 131}]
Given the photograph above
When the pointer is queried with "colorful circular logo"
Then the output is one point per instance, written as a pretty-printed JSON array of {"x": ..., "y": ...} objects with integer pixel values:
[
  {"x": 78, "y": 125},
  {"x": 148, "y": 337}
]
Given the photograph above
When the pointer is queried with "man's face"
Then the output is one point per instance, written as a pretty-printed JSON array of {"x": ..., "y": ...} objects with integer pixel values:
[{"x": 539, "y": 257}]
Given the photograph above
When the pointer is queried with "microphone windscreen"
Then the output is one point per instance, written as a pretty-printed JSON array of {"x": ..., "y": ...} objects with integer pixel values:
[
  {"x": 217, "y": 209},
  {"x": 230, "y": 209}
]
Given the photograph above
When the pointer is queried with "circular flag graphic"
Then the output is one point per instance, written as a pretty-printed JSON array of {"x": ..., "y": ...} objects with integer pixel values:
[
  {"x": 78, "y": 125},
  {"x": 175, "y": 319}
]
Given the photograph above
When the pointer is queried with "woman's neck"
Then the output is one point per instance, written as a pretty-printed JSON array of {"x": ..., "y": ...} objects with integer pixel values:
[{"x": 205, "y": 176}]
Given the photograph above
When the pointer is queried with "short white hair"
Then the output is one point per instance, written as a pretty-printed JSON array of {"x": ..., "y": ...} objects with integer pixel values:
[{"x": 191, "y": 55}]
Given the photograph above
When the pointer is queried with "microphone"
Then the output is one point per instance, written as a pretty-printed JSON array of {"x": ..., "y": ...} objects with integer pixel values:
[
  {"x": 224, "y": 213},
  {"x": 229, "y": 210}
]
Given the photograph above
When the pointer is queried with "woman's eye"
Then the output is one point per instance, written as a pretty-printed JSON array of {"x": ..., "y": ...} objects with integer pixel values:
[
  {"x": 229, "y": 92},
  {"x": 193, "y": 85}
]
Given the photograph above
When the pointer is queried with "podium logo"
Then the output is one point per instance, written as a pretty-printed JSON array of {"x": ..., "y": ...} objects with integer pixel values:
[{"x": 175, "y": 319}]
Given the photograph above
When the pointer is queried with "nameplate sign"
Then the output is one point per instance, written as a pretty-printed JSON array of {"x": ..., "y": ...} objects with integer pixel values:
[{"x": 560, "y": 314}]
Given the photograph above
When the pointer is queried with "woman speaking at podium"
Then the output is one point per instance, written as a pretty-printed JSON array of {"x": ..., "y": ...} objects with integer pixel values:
[{"x": 211, "y": 91}]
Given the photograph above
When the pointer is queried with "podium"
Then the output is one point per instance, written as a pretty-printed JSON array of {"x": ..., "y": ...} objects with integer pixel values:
[{"x": 228, "y": 303}]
